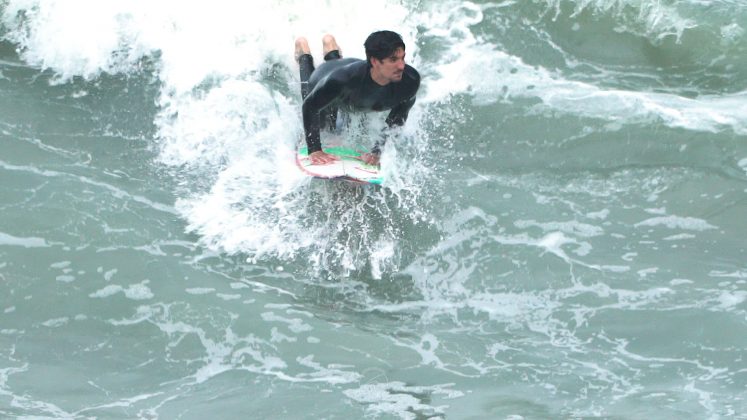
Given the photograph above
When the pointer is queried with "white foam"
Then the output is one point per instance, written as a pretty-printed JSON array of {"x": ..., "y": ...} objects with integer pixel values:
[
  {"x": 381, "y": 256},
  {"x": 84, "y": 38},
  {"x": 60, "y": 265},
  {"x": 31, "y": 242},
  {"x": 730, "y": 34},
  {"x": 743, "y": 164},
  {"x": 108, "y": 275},
  {"x": 427, "y": 349},
  {"x": 729, "y": 300},
  {"x": 278, "y": 337},
  {"x": 510, "y": 307},
  {"x": 106, "y": 291},
  {"x": 65, "y": 278},
  {"x": 121, "y": 402},
  {"x": 296, "y": 325},
  {"x": 601, "y": 214},
  {"x": 399, "y": 399},
  {"x": 706, "y": 399},
  {"x": 332, "y": 373},
  {"x": 679, "y": 282},
  {"x": 200, "y": 290},
  {"x": 736, "y": 274},
  {"x": 661, "y": 210},
  {"x": 138, "y": 291},
  {"x": 647, "y": 271},
  {"x": 677, "y": 222},
  {"x": 553, "y": 243},
  {"x": 572, "y": 227},
  {"x": 680, "y": 237},
  {"x": 56, "y": 322}
]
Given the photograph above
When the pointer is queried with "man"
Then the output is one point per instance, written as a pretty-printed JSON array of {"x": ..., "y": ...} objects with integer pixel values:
[{"x": 381, "y": 82}]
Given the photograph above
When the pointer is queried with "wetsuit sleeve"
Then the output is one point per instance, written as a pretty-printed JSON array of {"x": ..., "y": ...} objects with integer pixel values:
[
  {"x": 396, "y": 117},
  {"x": 319, "y": 98},
  {"x": 399, "y": 113}
]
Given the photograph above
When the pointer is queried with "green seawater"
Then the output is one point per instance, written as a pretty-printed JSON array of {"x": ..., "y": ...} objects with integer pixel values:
[{"x": 561, "y": 231}]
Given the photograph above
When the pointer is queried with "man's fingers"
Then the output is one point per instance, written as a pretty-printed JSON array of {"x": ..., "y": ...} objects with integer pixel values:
[{"x": 321, "y": 158}]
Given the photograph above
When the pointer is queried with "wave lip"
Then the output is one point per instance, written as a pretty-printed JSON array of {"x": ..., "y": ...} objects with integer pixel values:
[{"x": 492, "y": 76}]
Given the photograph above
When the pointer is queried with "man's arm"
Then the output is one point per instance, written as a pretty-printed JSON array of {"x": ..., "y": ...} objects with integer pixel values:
[
  {"x": 399, "y": 113},
  {"x": 397, "y": 117},
  {"x": 322, "y": 95}
]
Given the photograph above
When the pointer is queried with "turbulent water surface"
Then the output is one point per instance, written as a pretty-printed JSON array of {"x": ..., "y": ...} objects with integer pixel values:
[{"x": 561, "y": 233}]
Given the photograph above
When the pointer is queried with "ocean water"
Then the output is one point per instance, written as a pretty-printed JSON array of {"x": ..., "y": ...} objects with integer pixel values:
[{"x": 561, "y": 233}]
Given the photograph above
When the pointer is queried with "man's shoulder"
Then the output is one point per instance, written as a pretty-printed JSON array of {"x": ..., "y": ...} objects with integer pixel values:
[
  {"x": 337, "y": 73},
  {"x": 411, "y": 78},
  {"x": 347, "y": 69},
  {"x": 411, "y": 72}
]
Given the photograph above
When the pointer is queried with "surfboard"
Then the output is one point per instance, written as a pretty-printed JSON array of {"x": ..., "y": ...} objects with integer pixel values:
[{"x": 349, "y": 167}]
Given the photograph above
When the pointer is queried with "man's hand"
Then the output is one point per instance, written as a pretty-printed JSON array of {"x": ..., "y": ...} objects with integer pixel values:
[
  {"x": 321, "y": 158},
  {"x": 371, "y": 158}
]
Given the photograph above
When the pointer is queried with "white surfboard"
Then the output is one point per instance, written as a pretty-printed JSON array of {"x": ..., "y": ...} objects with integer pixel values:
[{"x": 349, "y": 166}]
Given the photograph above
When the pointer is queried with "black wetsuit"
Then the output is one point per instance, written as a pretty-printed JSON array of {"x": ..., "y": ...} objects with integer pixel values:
[{"x": 347, "y": 83}]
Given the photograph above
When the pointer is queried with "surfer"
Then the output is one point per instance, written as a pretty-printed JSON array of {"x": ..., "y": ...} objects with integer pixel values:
[{"x": 382, "y": 82}]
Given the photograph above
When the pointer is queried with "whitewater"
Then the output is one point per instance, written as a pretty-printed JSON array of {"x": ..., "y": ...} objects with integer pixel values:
[{"x": 560, "y": 233}]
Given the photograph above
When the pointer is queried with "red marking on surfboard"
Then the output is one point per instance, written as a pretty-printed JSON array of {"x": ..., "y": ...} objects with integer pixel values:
[{"x": 366, "y": 170}]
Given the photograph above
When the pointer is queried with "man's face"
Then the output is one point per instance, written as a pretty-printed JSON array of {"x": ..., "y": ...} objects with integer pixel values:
[{"x": 391, "y": 68}]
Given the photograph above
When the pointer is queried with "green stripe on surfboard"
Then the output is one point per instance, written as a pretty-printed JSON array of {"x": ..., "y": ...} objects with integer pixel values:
[{"x": 336, "y": 150}]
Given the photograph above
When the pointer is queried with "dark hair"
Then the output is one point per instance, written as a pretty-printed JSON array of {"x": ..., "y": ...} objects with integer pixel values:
[{"x": 382, "y": 44}]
